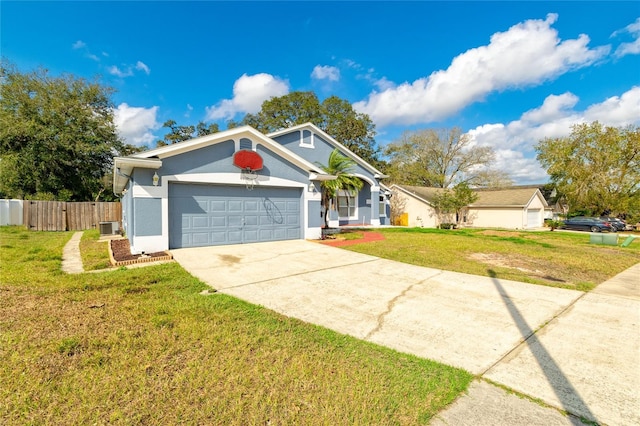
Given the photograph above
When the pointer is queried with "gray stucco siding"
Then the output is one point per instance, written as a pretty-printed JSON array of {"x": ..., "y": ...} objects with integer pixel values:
[
  {"x": 276, "y": 166},
  {"x": 291, "y": 141},
  {"x": 144, "y": 177},
  {"x": 148, "y": 218},
  {"x": 314, "y": 211},
  {"x": 216, "y": 158},
  {"x": 320, "y": 152}
]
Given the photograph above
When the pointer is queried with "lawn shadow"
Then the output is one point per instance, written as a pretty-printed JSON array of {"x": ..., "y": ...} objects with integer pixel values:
[{"x": 568, "y": 396}]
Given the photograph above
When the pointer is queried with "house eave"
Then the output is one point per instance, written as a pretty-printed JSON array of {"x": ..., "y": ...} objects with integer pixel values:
[
  {"x": 123, "y": 167},
  {"x": 232, "y": 134}
]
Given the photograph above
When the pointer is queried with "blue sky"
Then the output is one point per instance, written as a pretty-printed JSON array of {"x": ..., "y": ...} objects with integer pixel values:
[{"x": 508, "y": 73}]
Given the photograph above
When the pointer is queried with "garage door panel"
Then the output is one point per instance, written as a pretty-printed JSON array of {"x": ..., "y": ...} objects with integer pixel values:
[
  {"x": 235, "y": 206},
  {"x": 251, "y": 236},
  {"x": 217, "y": 221},
  {"x": 293, "y": 219},
  {"x": 218, "y": 237},
  {"x": 203, "y": 205},
  {"x": 234, "y": 237},
  {"x": 251, "y": 206},
  {"x": 200, "y": 223},
  {"x": 279, "y": 234},
  {"x": 218, "y": 206},
  {"x": 214, "y": 214},
  {"x": 280, "y": 205},
  {"x": 234, "y": 221}
]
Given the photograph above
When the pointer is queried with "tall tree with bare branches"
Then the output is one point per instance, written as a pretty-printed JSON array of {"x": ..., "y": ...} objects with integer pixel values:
[{"x": 441, "y": 159}]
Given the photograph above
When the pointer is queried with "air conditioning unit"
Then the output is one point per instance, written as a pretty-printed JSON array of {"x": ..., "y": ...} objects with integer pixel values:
[{"x": 109, "y": 228}]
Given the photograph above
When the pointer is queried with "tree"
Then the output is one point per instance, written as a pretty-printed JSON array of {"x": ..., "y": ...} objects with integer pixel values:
[
  {"x": 333, "y": 115},
  {"x": 341, "y": 167},
  {"x": 453, "y": 201},
  {"x": 441, "y": 159},
  {"x": 595, "y": 168},
  {"x": 354, "y": 130},
  {"x": 397, "y": 205},
  {"x": 183, "y": 133},
  {"x": 57, "y": 135}
]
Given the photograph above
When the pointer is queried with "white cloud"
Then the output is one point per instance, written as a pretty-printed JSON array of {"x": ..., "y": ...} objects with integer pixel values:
[
  {"x": 136, "y": 124},
  {"x": 249, "y": 92},
  {"x": 514, "y": 142},
  {"x": 384, "y": 84},
  {"x": 114, "y": 70},
  {"x": 630, "y": 48},
  {"x": 617, "y": 110},
  {"x": 81, "y": 45},
  {"x": 529, "y": 53},
  {"x": 127, "y": 71},
  {"x": 325, "y": 72},
  {"x": 141, "y": 66}
]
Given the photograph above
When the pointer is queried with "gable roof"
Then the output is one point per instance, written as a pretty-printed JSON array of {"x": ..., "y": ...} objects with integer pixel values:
[
  {"x": 487, "y": 197},
  {"x": 507, "y": 197},
  {"x": 346, "y": 151},
  {"x": 424, "y": 193},
  {"x": 124, "y": 165}
]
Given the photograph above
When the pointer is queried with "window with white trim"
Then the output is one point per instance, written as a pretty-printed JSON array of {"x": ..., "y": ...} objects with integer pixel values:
[
  {"x": 347, "y": 202},
  {"x": 306, "y": 139},
  {"x": 382, "y": 209}
]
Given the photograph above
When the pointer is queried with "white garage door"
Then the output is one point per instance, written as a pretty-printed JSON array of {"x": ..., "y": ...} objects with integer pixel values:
[
  {"x": 206, "y": 215},
  {"x": 534, "y": 218}
]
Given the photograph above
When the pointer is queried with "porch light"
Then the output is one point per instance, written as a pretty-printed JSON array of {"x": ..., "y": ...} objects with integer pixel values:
[
  {"x": 156, "y": 179},
  {"x": 312, "y": 187}
]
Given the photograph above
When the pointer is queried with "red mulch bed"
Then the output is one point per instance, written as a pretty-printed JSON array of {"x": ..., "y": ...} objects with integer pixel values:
[
  {"x": 367, "y": 237},
  {"x": 122, "y": 252}
]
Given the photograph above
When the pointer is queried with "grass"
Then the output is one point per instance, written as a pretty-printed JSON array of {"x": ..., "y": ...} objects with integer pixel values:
[
  {"x": 558, "y": 259},
  {"x": 141, "y": 346},
  {"x": 95, "y": 253}
]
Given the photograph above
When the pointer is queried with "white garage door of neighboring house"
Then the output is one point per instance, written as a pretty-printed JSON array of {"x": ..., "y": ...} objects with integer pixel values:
[
  {"x": 207, "y": 215},
  {"x": 534, "y": 218}
]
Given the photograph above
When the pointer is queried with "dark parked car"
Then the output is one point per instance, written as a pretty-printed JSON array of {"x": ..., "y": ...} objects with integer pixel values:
[
  {"x": 619, "y": 224},
  {"x": 592, "y": 224}
]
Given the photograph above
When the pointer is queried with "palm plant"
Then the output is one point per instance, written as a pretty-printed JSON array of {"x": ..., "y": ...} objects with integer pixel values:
[{"x": 341, "y": 167}]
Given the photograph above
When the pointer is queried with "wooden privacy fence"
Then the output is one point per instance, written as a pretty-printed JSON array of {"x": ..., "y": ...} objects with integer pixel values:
[{"x": 69, "y": 216}]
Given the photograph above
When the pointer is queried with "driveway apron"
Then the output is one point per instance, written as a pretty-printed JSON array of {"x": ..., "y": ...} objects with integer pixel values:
[{"x": 583, "y": 358}]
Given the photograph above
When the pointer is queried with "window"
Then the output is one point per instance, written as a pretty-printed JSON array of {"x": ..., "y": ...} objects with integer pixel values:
[
  {"x": 306, "y": 139},
  {"x": 383, "y": 206},
  {"x": 347, "y": 204}
]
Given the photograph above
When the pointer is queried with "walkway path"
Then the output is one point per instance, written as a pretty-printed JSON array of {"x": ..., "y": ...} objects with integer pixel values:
[
  {"x": 71, "y": 258},
  {"x": 367, "y": 237}
]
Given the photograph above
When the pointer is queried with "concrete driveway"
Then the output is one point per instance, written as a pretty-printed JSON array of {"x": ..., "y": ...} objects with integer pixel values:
[{"x": 584, "y": 357}]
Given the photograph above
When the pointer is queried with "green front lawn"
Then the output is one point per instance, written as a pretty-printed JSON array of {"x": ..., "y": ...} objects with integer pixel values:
[
  {"x": 558, "y": 259},
  {"x": 142, "y": 346}
]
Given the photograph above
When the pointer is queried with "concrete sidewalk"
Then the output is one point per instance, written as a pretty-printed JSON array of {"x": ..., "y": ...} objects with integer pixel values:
[
  {"x": 575, "y": 352},
  {"x": 585, "y": 361}
]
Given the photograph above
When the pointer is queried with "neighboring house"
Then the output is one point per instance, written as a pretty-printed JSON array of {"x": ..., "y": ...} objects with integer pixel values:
[
  {"x": 192, "y": 194},
  {"x": 416, "y": 205},
  {"x": 513, "y": 208}
]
